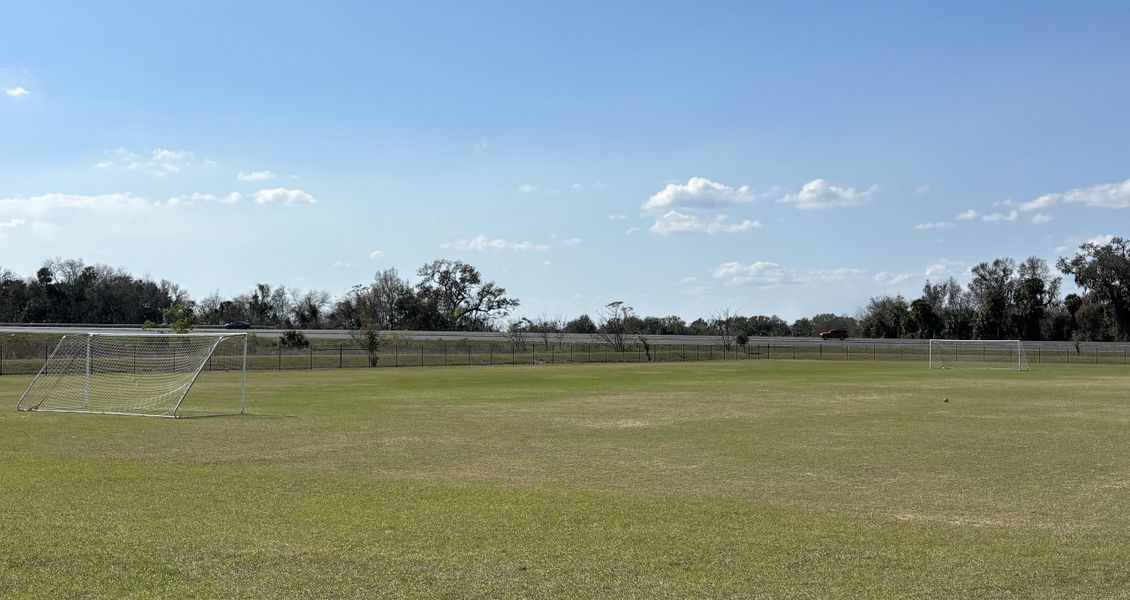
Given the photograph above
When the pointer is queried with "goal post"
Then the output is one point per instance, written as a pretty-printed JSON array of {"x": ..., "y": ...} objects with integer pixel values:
[
  {"x": 145, "y": 374},
  {"x": 978, "y": 354}
]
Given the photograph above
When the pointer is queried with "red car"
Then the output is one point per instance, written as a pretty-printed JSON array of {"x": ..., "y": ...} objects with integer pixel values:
[{"x": 834, "y": 334}]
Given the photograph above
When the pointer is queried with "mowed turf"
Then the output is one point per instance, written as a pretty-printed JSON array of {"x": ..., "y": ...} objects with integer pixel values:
[{"x": 724, "y": 479}]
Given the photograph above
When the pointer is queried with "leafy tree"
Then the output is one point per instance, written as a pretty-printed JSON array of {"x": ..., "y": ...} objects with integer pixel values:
[
  {"x": 885, "y": 317},
  {"x": 699, "y": 327},
  {"x": 460, "y": 297},
  {"x": 179, "y": 318},
  {"x": 991, "y": 291},
  {"x": 925, "y": 322},
  {"x": 368, "y": 337},
  {"x": 1103, "y": 272},
  {"x": 803, "y": 327},
  {"x": 308, "y": 310},
  {"x": 1035, "y": 291},
  {"x": 762, "y": 326},
  {"x": 582, "y": 324},
  {"x": 268, "y": 305},
  {"x": 380, "y": 303},
  {"x": 615, "y": 325},
  {"x": 293, "y": 339}
]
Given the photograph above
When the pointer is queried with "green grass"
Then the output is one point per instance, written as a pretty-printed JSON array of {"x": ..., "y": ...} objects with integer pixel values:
[{"x": 752, "y": 479}]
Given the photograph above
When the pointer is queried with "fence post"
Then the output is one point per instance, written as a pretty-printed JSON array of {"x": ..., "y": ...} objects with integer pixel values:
[
  {"x": 794, "y": 351},
  {"x": 821, "y": 347},
  {"x": 422, "y": 354},
  {"x": 491, "y": 346},
  {"x": 845, "y": 352},
  {"x": 444, "y": 354},
  {"x": 552, "y": 355},
  {"x": 311, "y": 358},
  {"x": 340, "y": 356},
  {"x": 1, "y": 360},
  {"x": 396, "y": 355},
  {"x": 468, "y": 354},
  {"x": 279, "y": 346}
]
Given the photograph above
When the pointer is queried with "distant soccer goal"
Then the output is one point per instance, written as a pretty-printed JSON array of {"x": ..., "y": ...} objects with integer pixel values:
[
  {"x": 138, "y": 374},
  {"x": 978, "y": 354}
]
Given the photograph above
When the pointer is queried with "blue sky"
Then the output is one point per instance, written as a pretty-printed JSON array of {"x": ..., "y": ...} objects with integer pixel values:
[{"x": 683, "y": 157}]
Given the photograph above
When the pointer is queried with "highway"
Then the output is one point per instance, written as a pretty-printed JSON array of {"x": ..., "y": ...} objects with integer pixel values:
[{"x": 567, "y": 338}]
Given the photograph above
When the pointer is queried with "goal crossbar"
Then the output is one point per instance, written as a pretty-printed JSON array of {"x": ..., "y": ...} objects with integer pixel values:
[{"x": 137, "y": 374}]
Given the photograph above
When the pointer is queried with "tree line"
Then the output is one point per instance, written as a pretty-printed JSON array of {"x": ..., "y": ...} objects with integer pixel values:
[{"x": 1004, "y": 299}]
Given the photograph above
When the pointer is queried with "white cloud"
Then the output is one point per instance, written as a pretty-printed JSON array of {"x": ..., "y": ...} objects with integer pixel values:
[
  {"x": 343, "y": 263},
  {"x": 971, "y": 215},
  {"x": 52, "y": 202},
  {"x": 12, "y": 223},
  {"x": 676, "y": 222},
  {"x": 527, "y": 188},
  {"x": 572, "y": 242},
  {"x": 886, "y": 278},
  {"x": 163, "y": 155},
  {"x": 16, "y": 92},
  {"x": 760, "y": 273},
  {"x": 1105, "y": 195},
  {"x": 482, "y": 243},
  {"x": 944, "y": 268},
  {"x": 255, "y": 176},
  {"x": 922, "y": 190},
  {"x": 631, "y": 230},
  {"x": 159, "y": 163},
  {"x": 284, "y": 196},
  {"x": 818, "y": 194},
  {"x": 199, "y": 198},
  {"x": 698, "y": 192},
  {"x": 376, "y": 255},
  {"x": 992, "y": 217},
  {"x": 935, "y": 225},
  {"x": 576, "y": 187},
  {"x": 767, "y": 274},
  {"x": 617, "y": 217},
  {"x": 1041, "y": 218},
  {"x": 1101, "y": 240},
  {"x": 546, "y": 263}
]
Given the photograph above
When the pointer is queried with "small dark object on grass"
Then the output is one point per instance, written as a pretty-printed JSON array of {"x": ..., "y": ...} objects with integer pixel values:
[{"x": 946, "y": 400}]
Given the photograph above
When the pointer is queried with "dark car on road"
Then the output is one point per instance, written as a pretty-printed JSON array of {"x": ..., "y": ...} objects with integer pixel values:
[
  {"x": 237, "y": 325},
  {"x": 834, "y": 334}
]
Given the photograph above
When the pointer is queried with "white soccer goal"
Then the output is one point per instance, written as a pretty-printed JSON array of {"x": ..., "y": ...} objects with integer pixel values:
[
  {"x": 983, "y": 354},
  {"x": 145, "y": 374}
]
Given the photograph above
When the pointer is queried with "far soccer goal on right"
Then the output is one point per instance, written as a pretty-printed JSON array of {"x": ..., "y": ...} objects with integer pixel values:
[{"x": 978, "y": 354}]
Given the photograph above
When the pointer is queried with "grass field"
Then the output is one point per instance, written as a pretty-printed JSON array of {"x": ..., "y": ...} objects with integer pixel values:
[{"x": 728, "y": 479}]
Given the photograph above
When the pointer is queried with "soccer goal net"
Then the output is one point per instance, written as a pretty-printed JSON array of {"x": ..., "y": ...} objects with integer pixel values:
[
  {"x": 139, "y": 374},
  {"x": 983, "y": 354}
]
